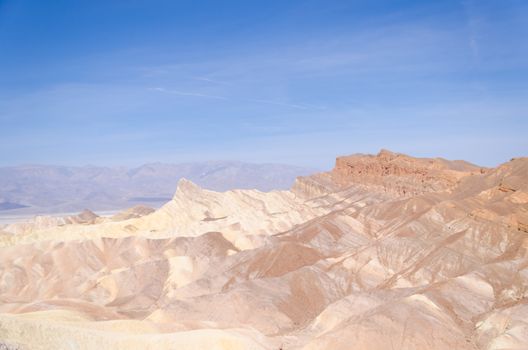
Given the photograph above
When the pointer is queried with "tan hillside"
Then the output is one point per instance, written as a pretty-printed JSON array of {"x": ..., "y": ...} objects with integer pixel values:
[{"x": 385, "y": 251}]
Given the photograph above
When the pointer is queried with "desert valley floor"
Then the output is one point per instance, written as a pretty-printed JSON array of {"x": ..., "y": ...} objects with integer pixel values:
[{"x": 383, "y": 252}]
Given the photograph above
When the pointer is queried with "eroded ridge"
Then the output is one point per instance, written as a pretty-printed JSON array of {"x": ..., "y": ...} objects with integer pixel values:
[{"x": 385, "y": 251}]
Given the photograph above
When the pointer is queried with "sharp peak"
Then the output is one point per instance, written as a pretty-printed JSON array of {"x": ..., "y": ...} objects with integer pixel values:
[{"x": 187, "y": 186}]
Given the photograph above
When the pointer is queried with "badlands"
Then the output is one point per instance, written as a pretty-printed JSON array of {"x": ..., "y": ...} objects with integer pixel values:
[{"x": 383, "y": 252}]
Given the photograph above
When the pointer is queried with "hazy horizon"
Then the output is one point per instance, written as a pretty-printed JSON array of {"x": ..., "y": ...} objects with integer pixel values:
[
  {"x": 328, "y": 165},
  {"x": 154, "y": 162}
]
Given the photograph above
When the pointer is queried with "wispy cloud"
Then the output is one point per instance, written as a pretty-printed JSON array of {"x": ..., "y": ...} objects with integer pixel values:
[
  {"x": 275, "y": 103},
  {"x": 473, "y": 22},
  {"x": 379, "y": 81},
  {"x": 256, "y": 100},
  {"x": 187, "y": 93},
  {"x": 212, "y": 81}
]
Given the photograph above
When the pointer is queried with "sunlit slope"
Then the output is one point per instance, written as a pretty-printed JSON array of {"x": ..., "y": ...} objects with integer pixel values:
[{"x": 395, "y": 252}]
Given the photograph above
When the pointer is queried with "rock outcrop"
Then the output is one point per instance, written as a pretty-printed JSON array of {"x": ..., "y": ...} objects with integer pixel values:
[
  {"x": 389, "y": 172},
  {"x": 383, "y": 252}
]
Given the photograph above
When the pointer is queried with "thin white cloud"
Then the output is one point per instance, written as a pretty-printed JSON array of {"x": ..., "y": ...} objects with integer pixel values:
[
  {"x": 186, "y": 93},
  {"x": 472, "y": 23},
  {"x": 212, "y": 81},
  {"x": 275, "y": 103},
  {"x": 269, "y": 102}
]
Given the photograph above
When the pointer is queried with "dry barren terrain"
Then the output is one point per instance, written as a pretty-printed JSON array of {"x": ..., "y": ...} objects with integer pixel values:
[{"x": 383, "y": 252}]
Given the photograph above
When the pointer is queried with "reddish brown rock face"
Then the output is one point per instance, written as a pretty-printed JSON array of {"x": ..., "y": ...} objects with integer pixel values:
[
  {"x": 393, "y": 173},
  {"x": 385, "y": 251},
  {"x": 401, "y": 174}
]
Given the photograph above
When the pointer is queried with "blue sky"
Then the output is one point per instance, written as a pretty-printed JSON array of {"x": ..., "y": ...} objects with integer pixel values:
[{"x": 298, "y": 82}]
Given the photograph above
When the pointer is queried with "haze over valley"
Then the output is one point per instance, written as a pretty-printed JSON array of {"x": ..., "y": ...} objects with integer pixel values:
[
  {"x": 264, "y": 175},
  {"x": 40, "y": 189}
]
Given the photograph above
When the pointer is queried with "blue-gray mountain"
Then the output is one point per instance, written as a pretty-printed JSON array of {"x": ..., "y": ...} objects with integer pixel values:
[{"x": 32, "y": 189}]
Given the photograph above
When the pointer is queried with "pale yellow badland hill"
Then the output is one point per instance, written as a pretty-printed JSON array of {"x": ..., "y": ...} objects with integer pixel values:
[{"x": 383, "y": 252}]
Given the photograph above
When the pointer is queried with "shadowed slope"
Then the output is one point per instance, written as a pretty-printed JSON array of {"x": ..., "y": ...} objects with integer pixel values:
[{"x": 378, "y": 260}]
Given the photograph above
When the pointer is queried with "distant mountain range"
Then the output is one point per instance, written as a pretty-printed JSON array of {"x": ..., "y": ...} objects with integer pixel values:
[{"x": 40, "y": 189}]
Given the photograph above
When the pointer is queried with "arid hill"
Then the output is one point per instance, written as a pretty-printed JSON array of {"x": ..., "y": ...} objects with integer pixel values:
[{"x": 383, "y": 252}]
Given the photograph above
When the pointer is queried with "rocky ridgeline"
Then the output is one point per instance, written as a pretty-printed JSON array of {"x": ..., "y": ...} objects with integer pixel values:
[
  {"x": 389, "y": 172},
  {"x": 384, "y": 251},
  {"x": 402, "y": 174}
]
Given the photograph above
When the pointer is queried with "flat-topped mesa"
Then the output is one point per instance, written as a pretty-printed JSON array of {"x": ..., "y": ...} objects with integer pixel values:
[
  {"x": 389, "y": 172},
  {"x": 400, "y": 173}
]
